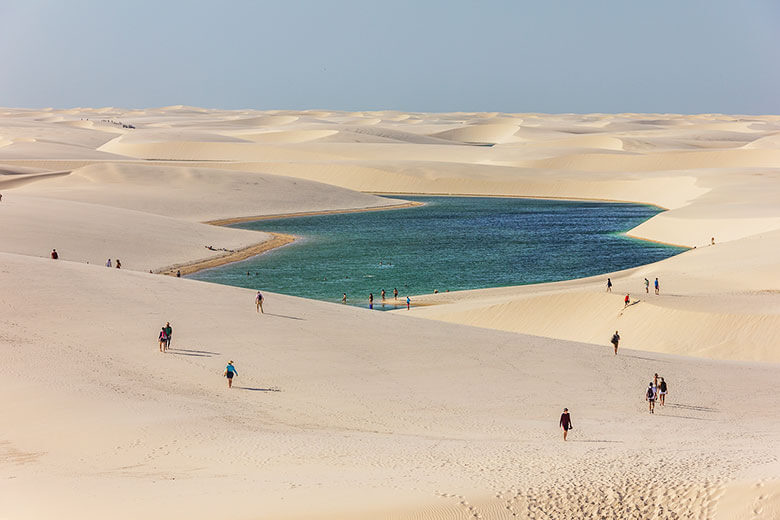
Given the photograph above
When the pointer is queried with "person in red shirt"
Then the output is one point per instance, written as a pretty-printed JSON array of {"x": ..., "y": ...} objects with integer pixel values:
[{"x": 627, "y": 301}]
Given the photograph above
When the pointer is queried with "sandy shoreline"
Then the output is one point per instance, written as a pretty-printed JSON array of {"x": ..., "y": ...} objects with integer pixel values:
[
  {"x": 238, "y": 220},
  {"x": 278, "y": 240}
]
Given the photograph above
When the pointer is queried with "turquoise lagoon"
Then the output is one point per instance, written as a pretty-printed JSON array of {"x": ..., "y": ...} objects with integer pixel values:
[{"x": 449, "y": 243}]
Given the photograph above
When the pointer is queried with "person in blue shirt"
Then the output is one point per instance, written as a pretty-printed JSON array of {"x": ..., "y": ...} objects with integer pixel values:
[{"x": 230, "y": 372}]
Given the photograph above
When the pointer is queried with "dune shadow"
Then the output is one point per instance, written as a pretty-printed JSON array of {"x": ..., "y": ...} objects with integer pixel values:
[
  {"x": 283, "y": 316},
  {"x": 273, "y": 389}
]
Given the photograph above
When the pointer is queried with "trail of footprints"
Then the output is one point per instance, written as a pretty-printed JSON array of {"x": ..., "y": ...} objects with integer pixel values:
[{"x": 623, "y": 488}]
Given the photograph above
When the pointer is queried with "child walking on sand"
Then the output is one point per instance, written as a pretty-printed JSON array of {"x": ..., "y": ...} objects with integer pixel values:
[
  {"x": 230, "y": 373},
  {"x": 609, "y": 285},
  {"x": 565, "y": 422},
  {"x": 259, "y": 303}
]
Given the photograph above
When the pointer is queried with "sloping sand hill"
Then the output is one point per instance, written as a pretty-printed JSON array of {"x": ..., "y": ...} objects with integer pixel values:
[{"x": 342, "y": 413}]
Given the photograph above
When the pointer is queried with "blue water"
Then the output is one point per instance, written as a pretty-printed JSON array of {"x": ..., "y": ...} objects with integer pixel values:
[{"x": 450, "y": 243}]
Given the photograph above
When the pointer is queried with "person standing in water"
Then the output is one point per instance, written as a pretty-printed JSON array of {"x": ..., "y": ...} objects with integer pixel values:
[
  {"x": 662, "y": 389},
  {"x": 370, "y": 300},
  {"x": 163, "y": 339},
  {"x": 259, "y": 302},
  {"x": 565, "y": 422},
  {"x": 230, "y": 373},
  {"x": 609, "y": 285},
  {"x": 395, "y": 293},
  {"x": 647, "y": 286},
  {"x": 344, "y": 298},
  {"x": 168, "y": 333},
  {"x": 383, "y": 295},
  {"x": 615, "y": 340},
  {"x": 650, "y": 396},
  {"x": 656, "y": 286}
]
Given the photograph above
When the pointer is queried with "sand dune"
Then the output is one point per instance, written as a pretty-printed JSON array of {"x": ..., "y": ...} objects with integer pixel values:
[
  {"x": 338, "y": 439},
  {"x": 197, "y": 194},
  {"x": 342, "y": 413}
]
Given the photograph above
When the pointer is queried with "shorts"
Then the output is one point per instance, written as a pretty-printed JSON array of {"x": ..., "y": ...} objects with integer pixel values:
[{"x": 229, "y": 375}]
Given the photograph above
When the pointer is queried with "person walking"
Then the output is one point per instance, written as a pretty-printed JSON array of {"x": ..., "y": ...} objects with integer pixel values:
[
  {"x": 230, "y": 373},
  {"x": 168, "y": 333},
  {"x": 565, "y": 422},
  {"x": 163, "y": 339},
  {"x": 609, "y": 285},
  {"x": 650, "y": 397},
  {"x": 615, "y": 340},
  {"x": 118, "y": 264},
  {"x": 54, "y": 254},
  {"x": 627, "y": 300},
  {"x": 647, "y": 286},
  {"x": 656, "y": 286},
  {"x": 259, "y": 302},
  {"x": 662, "y": 389},
  {"x": 108, "y": 263},
  {"x": 408, "y": 303}
]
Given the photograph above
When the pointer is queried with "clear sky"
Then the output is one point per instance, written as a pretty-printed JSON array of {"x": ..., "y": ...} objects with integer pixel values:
[{"x": 685, "y": 56}]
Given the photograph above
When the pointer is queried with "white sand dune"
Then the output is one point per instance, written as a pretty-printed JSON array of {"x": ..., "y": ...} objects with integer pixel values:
[
  {"x": 197, "y": 194},
  {"x": 447, "y": 411}
]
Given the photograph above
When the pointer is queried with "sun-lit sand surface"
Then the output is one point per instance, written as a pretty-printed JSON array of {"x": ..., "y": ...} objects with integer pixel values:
[{"x": 343, "y": 413}]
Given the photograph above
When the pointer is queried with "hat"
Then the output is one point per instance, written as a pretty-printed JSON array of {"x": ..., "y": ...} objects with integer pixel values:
[{"x": 230, "y": 362}]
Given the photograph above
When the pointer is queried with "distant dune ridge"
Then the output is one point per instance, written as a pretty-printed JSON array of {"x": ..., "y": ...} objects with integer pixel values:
[{"x": 447, "y": 411}]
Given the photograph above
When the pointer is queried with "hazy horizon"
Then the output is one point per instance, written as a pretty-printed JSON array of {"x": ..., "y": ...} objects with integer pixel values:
[{"x": 502, "y": 56}]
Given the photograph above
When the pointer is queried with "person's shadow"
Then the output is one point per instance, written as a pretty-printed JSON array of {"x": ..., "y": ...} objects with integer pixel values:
[
  {"x": 271, "y": 389},
  {"x": 193, "y": 353},
  {"x": 283, "y": 316}
]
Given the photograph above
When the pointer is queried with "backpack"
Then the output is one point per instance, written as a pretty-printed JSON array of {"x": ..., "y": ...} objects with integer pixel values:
[{"x": 650, "y": 393}]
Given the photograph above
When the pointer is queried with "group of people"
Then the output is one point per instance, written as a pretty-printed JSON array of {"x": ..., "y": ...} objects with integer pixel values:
[
  {"x": 118, "y": 263},
  {"x": 165, "y": 337},
  {"x": 656, "y": 391},
  {"x": 627, "y": 299},
  {"x": 383, "y": 294}
]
